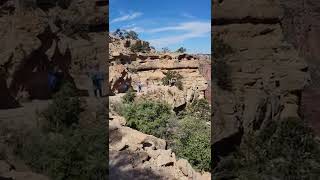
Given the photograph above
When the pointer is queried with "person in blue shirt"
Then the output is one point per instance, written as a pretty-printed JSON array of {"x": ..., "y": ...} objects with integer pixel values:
[{"x": 52, "y": 81}]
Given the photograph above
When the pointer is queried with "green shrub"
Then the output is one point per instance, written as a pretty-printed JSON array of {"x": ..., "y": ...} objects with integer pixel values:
[
  {"x": 165, "y": 50},
  {"x": 172, "y": 76},
  {"x": 181, "y": 50},
  {"x": 127, "y": 44},
  {"x": 188, "y": 134},
  {"x": 148, "y": 117},
  {"x": 140, "y": 46},
  {"x": 192, "y": 142},
  {"x": 284, "y": 150},
  {"x": 74, "y": 154},
  {"x": 200, "y": 108},
  {"x": 119, "y": 33},
  {"x": 118, "y": 107},
  {"x": 131, "y": 35},
  {"x": 64, "y": 109},
  {"x": 129, "y": 96},
  {"x": 63, "y": 150}
]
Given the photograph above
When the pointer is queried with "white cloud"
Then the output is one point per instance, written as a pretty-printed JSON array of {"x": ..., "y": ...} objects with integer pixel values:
[
  {"x": 127, "y": 17},
  {"x": 136, "y": 29},
  {"x": 191, "y": 30},
  {"x": 129, "y": 26},
  {"x": 187, "y": 15},
  {"x": 133, "y": 27}
]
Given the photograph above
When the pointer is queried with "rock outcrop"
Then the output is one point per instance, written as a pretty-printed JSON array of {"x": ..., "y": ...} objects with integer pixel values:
[
  {"x": 127, "y": 68},
  {"x": 36, "y": 37},
  {"x": 134, "y": 155},
  {"x": 267, "y": 73},
  {"x": 301, "y": 26}
]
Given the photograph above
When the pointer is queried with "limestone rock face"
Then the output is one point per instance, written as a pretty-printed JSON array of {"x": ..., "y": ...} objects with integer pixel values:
[
  {"x": 267, "y": 73},
  {"x": 171, "y": 95},
  {"x": 301, "y": 26},
  {"x": 128, "y": 68},
  {"x": 38, "y": 38}
]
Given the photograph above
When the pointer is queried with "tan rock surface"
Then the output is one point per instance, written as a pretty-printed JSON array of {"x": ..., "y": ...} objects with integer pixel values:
[
  {"x": 149, "y": 69},
  {"x": 133, "y": 154},
  {"x": 267, "y": 72},
  {"x": 34, "y": 39}
]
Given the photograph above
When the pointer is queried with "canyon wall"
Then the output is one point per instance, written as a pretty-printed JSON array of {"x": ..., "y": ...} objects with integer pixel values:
[
  {"x": 39, "y": 36},
  {"x": 267, "y": 73},
  {"x": 301, "y": 26},
  {"x": 127, "y": 68}
]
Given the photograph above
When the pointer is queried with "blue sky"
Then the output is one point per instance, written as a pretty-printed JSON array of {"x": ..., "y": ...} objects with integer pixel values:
[{"x": 166, "y": 23}]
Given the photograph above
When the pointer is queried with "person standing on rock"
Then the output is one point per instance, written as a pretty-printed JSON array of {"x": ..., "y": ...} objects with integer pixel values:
[
  {"x": 97, "y": 78},
  {"x": 139, "y": 86},
  {"x": 52, "y": 80}
]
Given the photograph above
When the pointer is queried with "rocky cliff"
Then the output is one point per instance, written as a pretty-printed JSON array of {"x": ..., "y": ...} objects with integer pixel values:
[
  {"x": 133, "y": 154},
  {"x": 35, "y": 37},
  {"x": 267, "y": 73},
  {"x": 301, "y": 26},
  {"x": 128, "y": 68},
  {"x": 38, "y": 36}
]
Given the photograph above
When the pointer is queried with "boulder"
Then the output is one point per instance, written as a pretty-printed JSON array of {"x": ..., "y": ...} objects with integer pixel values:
[{"x": 4, "y": 167}]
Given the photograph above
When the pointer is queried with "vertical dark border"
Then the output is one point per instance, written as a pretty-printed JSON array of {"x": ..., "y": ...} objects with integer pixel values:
[
  {"x": 107, "y": 83},
  {"x": 212, "y": 90}
]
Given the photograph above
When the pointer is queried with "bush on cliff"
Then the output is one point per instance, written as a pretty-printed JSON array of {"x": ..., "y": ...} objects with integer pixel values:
[
  {"x": 129, "y": 96},
  {"x": 172, "y": 78},
  {"x": 283, "y": 150},
  {"x": 200, "y": 108},
  {"x": 188, "y": 134},
  {"x": 181, "y": 50},
  {"x": 131, "y": 35},
  {"x": 71, "y": 154},
  {"x": 191, "y": 141},
  {"x": 64, "y": 150},
  {"x": 64, "y": 109},
  {"x": 140, "y": 46},
  {"x": 148, "y": 117}
]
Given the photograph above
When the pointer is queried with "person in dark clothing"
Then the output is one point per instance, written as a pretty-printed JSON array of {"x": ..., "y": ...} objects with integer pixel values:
[
  {"x": 55, "y": 77},
  {"x": 97, "y": 78},
  {"x": 139, "y": 86},
  {"x": 52, "y": 81}
]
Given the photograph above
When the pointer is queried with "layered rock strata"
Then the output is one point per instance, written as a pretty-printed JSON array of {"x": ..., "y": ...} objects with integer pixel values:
[{"x": 267, "y": 73}]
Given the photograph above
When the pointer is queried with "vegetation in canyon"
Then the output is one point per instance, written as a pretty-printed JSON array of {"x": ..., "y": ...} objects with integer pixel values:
[
  {"x": 140, "y": 46},
  {"x": 172, "y": 77},
  {"x": 284, "y": 150},
  {"x": 63, "y": 149},
  {"x": 187, "y": 133},
  {"x": 181, "y": 50}
]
